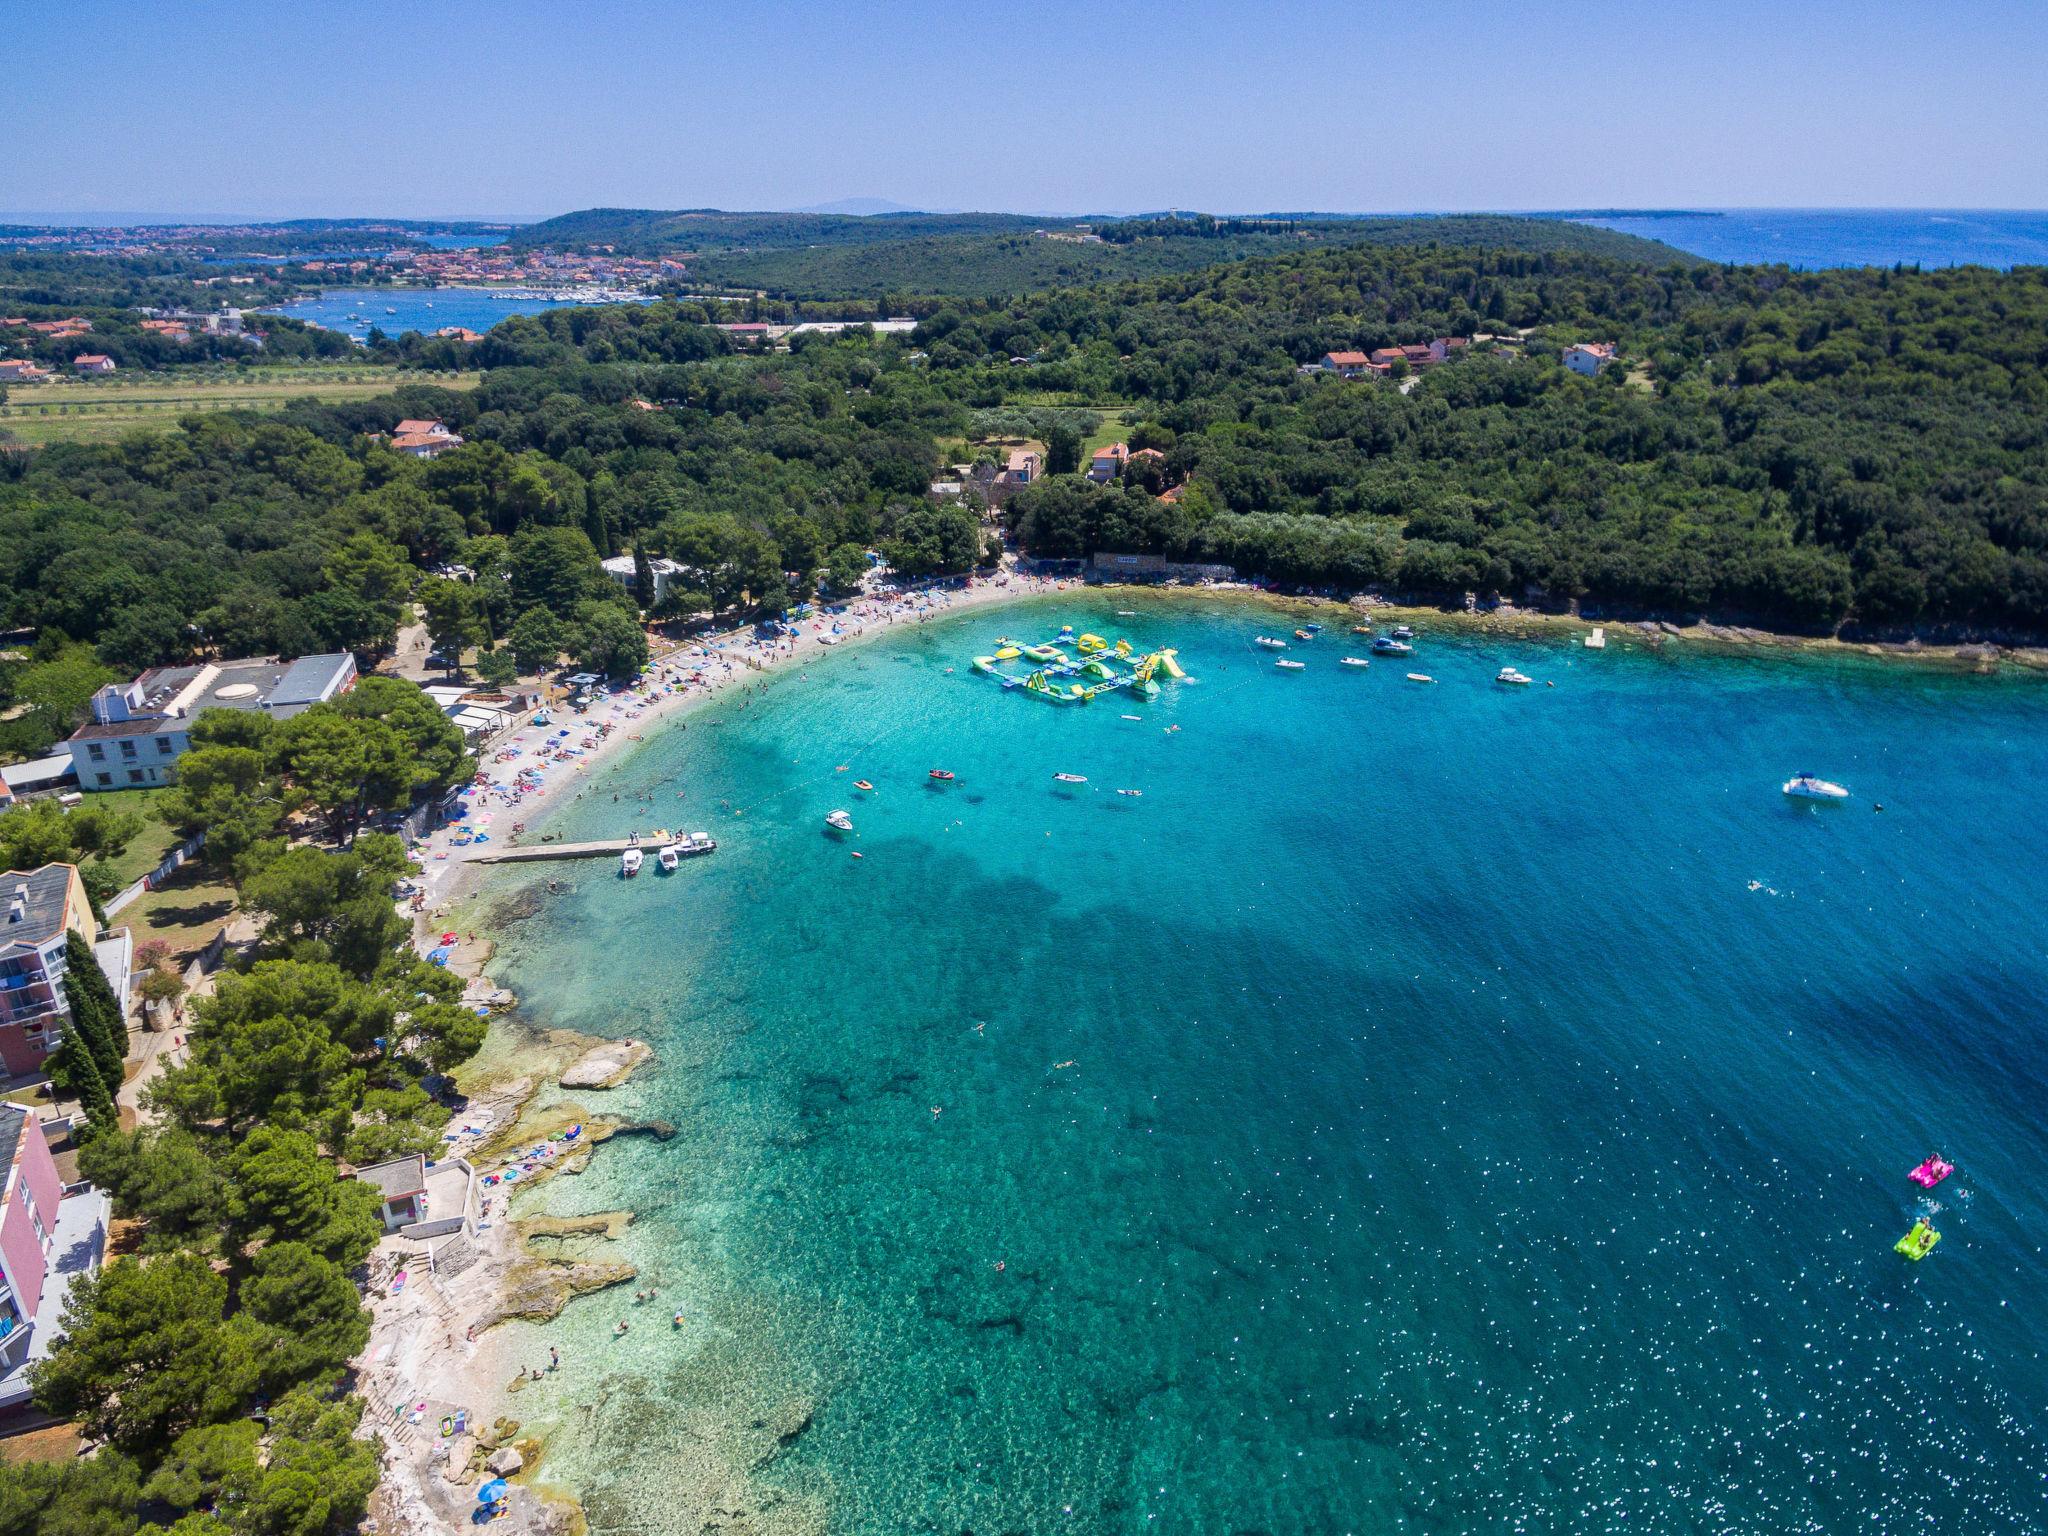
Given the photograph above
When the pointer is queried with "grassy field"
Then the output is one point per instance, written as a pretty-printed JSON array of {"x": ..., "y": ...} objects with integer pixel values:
[
  {"x": 96, "y": 410},
  {"x": 186, "y": 911},
  {"x": 147, "y": 848}
]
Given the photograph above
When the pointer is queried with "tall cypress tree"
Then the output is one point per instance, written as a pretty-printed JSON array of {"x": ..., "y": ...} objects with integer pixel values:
[
  {"x": 598, "y": 528},
  {"x": 95, "y": 1012},
  {"x": 643, "y": 576},
  {"x": 74, "y": 1071}
]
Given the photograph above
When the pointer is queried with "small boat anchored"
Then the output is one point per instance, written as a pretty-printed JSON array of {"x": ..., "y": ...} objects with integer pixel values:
[
  {"x": 1403, "y": 632},
  {"x": 1387, "y": 645},
  {"x": 1420, "y": 677},
  {"x": 1291, "y": 666},
  {"x": 839, "y": 821},
  {"x": 864, "y": 786},
  {"x": 1512, "y": 678},
  {"x": 1070, "y": 778},
  {"x": 1303, "y": 634},
  {"x": 1805, "y": 786},
  {"x": 942, "y": 775},
  {"x": 629, "y": 863},
  {"x": 1269, "y": 642},
  {"x": 668, "y": 860},
  {"x": 1353, "y": 661}
]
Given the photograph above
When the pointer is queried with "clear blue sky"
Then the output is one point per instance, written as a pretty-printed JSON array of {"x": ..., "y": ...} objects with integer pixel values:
[{"x": 518, "y": 108}]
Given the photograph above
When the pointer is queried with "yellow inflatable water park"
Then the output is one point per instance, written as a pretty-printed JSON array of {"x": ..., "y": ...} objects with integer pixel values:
[{"x": 1095, "y": 666}]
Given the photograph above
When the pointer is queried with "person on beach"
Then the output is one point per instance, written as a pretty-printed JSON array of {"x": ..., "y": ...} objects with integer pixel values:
[{"x": 554, "y": 1358}]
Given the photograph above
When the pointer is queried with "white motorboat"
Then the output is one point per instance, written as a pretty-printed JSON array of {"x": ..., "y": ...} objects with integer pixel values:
[
  {"x": 1403, "y": 632},
  {"x": 1387, "y": 645},
  {"x": 1420, "y": 677},
  {"x": 1270, "y": 643},
  {"x": 1291, "y": 666},
  {"x": 839, "y": 821},
  {"x": 668, "y": 859},
  {"x": 1354, "y": 661},
  {"x": 629, "y": 863},
  {"x": 1070, "y": 778},
  {"x": 1513, "y": 678},
  {"x": 1804, "y": 786}
]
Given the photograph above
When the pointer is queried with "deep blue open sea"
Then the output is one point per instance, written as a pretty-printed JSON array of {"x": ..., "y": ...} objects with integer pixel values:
[
  {"x": 1425, "y": 1109},
  {"x": 1852, "y": 237}
]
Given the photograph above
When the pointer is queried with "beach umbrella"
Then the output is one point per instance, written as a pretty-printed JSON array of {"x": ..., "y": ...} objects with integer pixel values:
[{"x": 492, "y": 1491}]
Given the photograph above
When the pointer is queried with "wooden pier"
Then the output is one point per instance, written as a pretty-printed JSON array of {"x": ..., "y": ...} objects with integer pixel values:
[{"x": 690, "y": 846}]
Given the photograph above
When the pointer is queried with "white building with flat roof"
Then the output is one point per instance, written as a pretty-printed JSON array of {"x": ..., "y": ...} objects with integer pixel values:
[
  {"x": 666, "y": 574},
  {"x": 139, "y": 729}
]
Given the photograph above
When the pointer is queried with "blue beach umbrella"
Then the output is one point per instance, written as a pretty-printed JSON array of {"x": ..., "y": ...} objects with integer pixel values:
[{"x": 492, "y": 1491}]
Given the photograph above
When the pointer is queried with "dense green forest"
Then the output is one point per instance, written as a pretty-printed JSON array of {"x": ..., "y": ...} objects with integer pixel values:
[
  {"x": 997, "y": 266},
  {"x": 1792, "y": 449},
  {"x": 34, "y": 282}
]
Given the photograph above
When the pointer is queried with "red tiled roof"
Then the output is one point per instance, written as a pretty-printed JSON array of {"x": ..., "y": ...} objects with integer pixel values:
[{"x": 1347, "y": 359}]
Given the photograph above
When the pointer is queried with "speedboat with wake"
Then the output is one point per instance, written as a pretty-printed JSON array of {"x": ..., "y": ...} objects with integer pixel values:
[{"x": 1806, "y": 786}]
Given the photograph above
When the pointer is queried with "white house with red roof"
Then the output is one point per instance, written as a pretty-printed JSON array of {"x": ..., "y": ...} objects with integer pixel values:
[
  {"x": 1589, "y": 357},
  {"x": 1108, "y": 462}
]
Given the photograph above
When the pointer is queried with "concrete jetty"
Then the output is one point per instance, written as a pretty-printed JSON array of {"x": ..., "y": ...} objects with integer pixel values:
[{"x": 688, "y": 846}]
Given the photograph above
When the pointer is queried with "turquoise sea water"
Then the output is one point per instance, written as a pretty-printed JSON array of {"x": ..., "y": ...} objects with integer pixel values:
[
  {"x": 411, "y": 309},
  {"x": 1852, "y": 237},
  {"x": 1403, "y": 1117}
]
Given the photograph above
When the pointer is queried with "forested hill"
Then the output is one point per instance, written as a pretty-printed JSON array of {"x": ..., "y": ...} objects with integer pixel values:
[
  {"x": 669, "y": 232},
  {"x": 1796, "y": 449},
  {"x": 1013, "y": 264},
  {"x": 894, "y": 258}
]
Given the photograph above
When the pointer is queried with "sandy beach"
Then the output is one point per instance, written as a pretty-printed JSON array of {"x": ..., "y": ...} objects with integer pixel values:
[
  {"x": 539, "y": 767},
  {"x": 433, "y": 1368}
]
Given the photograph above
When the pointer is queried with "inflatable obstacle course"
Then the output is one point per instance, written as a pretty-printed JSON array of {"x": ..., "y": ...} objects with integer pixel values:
[{"x": 1073, "y": 669}]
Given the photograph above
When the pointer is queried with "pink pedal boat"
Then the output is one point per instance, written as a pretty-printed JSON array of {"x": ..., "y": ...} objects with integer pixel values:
[{"x": 1931, "y": 1172}]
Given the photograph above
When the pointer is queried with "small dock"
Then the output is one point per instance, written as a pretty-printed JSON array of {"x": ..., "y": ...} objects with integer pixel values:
[{"x": 690, "y": 845}]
